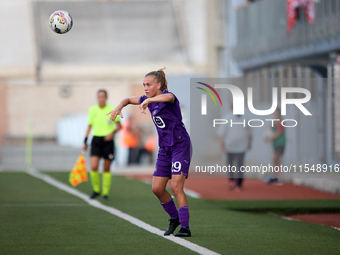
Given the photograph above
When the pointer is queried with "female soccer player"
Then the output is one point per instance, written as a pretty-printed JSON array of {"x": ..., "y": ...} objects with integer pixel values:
[
  {"x": 174, "y": 154},
  {"x": 102, "y": 143}
]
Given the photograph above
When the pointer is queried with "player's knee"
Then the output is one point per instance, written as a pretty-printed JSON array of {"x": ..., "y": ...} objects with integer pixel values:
[
  {"x": 177, "y": 188},
  {"x": 158, "y": 191}
]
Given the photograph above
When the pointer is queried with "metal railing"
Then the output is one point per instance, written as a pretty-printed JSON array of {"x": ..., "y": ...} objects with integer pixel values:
[{"x": 262, "y": 31}]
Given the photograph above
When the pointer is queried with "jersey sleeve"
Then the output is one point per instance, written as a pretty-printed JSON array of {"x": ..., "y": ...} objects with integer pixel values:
[
  {"x": 168, "y": 92},
  {"x": 90, "y": 117},
  {"x": 141, "y": 99}
]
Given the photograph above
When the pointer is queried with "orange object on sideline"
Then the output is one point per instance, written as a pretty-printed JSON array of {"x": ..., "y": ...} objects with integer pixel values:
[
  {"x": 127, "y": 138},
  {"x": 130, "y": 140},
  {"x": 79, "y": 172}
]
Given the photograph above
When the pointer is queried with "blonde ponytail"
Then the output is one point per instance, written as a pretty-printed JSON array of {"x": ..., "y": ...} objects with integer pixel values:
[{"x": 160, "y": 76}]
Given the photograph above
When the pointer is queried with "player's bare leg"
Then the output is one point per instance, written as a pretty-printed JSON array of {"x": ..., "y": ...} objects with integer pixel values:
[
  {"x": 94, "y": 163},
  {"x": 158, "y": 188},
  {"x": 177, "y": 186},
  {"x": 107, "y": 165}
]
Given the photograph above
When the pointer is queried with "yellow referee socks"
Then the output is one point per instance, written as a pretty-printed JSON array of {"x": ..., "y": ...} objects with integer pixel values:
[
  {"x": 106, "y": 183},
  {"x": 95, "y": 181}
]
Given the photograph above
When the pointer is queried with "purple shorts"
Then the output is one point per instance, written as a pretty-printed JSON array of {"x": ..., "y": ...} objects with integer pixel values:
[{"x": 174, "y": 159}]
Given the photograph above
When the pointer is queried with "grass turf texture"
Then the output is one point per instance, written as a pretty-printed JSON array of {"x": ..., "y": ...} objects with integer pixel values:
[{"x": 82, "y": 229}]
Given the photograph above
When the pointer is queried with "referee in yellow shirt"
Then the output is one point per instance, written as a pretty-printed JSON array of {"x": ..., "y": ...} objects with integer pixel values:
[{"x": 102, "y": 145}]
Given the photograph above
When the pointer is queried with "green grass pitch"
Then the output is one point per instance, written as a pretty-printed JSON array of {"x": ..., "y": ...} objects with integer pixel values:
[{"x": 37, "y": 218}]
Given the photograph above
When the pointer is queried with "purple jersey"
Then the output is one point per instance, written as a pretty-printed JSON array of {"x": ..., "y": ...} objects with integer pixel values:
[{"x": 167, "y": 118}]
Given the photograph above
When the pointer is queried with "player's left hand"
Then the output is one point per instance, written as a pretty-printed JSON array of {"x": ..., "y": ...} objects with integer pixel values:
[
  {"x": 114, "y": 113},
  {"x": 144, "y": 105}
]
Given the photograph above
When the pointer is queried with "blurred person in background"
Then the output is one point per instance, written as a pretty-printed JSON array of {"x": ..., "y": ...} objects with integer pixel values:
[
  {"x": 102, "y": 144},
  {"x": 278, "y": 140},
  {"x": 130, "y": 139},
  {"x": 235, "y": 141},
  {"x": 149, "y": 143}
]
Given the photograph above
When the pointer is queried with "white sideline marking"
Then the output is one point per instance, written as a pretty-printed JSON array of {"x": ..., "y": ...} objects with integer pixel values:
[
  {"x": 133, "y": 220},
  {"x": 191, "y": 193},
  {"x": 289, "y": 218}
]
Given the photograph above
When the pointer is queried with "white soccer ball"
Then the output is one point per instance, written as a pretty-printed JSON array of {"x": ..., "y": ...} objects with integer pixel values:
[{"x": 61, "y": 22}]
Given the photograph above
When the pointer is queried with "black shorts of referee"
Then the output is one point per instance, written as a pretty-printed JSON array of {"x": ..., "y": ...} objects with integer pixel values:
[{"x": 101, "y": 148}]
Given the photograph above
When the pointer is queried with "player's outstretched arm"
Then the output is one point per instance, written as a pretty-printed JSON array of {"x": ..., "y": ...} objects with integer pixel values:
[
  {"x": 118, "y": 110},
  {"x": 168, "y": 97},
  {"x": 160, "y": 98}
]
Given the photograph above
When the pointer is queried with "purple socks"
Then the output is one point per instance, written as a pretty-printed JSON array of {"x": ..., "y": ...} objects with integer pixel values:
[
  {"x": 183, "y": 213},
  {"x": 171, "y": 209}
]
